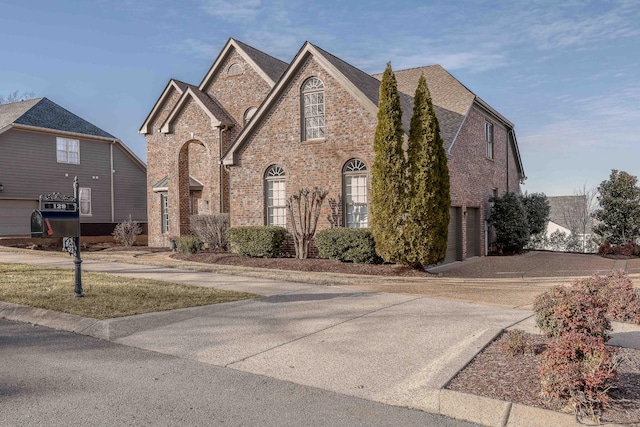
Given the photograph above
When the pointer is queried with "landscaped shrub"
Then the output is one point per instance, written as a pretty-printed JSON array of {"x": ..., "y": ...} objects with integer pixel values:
[
  {"x": 257, "y": 241},
  {"x": 515, "y": 343},
  {"x": 347, "y": 245},
  {"x": 577, "y": 309},
  {"x": 579, "y": 369},
  {"x": 623, "y": 300},
  {"x": 627, "y": 249},
  {"x": 188, "y": 244},
  {"x": 127, "y": 231},
  {"x": 211, "y": 229}
]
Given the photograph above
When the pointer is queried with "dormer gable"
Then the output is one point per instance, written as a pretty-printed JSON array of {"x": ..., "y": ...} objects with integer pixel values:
[
  {"x": 173, "y": 85},
  {"x": 363, "y": 87},
  {"x": 211, "y": 108},
  {"x": 267, "y": 67}
]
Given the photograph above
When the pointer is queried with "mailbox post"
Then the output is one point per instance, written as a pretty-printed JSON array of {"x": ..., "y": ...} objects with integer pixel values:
[
  {"x": 59, "y": 216},
  {"x": 77, "y": 261}
]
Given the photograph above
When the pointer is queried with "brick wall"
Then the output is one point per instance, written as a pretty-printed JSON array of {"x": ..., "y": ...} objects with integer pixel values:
[
  {"x": 194, "y": 148},
  {"x": 349, "y": 131}
]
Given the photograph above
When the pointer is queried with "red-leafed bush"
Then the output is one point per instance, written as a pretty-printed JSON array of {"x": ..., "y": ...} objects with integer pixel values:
[
  {"x": 628, "y": 249},
  {"x": 579, "y": 369},
  {"x": 623, "y": 300},
  {"x": 572, "y": 309}
]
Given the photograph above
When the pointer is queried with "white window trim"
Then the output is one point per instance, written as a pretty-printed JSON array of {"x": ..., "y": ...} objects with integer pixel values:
[
  {"x": 84, "y": 190},
  {"x": 164, "y": 212},
  {"x": 355, "y": 168},
  {"x": 275, "y": 174},
  {"x": 488, "y": 137},
  {"x": 66, "y": 151},
  {"x": 313, "y": 86}
]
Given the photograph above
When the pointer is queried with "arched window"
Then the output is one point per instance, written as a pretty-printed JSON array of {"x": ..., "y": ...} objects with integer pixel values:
[
  {"x": 312, "y": 109},
  {"x": 248, "y": 114},
  {"x": 276, "y": 196},
  {"x": 355, "y": 194},
  {"x": 235, "y": 69}
]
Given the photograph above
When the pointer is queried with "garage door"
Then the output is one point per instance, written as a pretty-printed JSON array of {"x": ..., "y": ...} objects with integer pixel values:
[
  {"x": 473, "y": 232},
  {"x": 454, "y": 252},
  {"x": 15, "y": 217}
]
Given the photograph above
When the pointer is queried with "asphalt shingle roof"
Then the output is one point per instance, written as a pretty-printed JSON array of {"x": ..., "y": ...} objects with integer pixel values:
[
  {"x": 369, "y": 85},
  {"x": 273, "y": 67},
  {"x": 46, "y": 114},
  {"x": 212, "y": 105},
  {"x": 451, "y": 99},
  {"x": 9, "y": 113}
]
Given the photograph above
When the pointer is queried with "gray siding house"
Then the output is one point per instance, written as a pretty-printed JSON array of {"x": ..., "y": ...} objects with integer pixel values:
[{"x": 44, "y": 146}]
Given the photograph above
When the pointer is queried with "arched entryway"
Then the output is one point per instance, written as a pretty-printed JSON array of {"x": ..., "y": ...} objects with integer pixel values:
[{"x": 194, "y": 183}]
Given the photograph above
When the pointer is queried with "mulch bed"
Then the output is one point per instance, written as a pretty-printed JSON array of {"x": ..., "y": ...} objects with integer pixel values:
[
  {"x": 311, "y": 264},
  {"x": 495, "y": 374}
]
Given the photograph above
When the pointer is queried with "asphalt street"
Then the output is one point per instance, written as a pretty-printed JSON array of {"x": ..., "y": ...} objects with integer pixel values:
[{"x": 50, "y": 377}]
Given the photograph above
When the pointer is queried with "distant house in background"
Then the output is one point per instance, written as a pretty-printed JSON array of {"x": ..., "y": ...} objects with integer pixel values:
[
  {"x": 43, "y": 147},
  {"x": 570, "y": 215}
]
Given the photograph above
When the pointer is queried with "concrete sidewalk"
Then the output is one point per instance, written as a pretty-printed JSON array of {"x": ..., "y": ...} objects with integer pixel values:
[{"x": 392, "y": 348}]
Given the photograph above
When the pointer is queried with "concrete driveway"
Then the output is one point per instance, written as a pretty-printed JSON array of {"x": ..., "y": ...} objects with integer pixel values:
[{"x": 394, "y": 347}]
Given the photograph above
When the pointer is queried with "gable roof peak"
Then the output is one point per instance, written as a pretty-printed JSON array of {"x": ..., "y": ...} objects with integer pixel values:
[{"x": 267, "y": 66}]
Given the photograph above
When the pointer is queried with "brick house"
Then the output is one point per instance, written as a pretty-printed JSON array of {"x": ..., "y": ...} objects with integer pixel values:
[{"x": 257, "y": 129}]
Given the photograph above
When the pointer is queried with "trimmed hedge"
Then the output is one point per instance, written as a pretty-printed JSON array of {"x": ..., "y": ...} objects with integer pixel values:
[
  {"x": 257, "y": 241},
  {"x": 347, "y": 245},
  {"x": 189, "y": 244}
]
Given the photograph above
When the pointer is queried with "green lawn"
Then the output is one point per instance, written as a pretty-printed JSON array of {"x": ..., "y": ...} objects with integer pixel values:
[{"x": 105, "y": 295}]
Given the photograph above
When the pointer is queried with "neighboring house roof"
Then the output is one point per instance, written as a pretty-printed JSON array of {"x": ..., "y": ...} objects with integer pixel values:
[
  {"x": 567, "y": 211},
  {"x": 45, "y": 114}
]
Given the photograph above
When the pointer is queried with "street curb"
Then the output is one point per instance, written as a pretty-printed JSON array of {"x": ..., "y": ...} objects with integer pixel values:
[
  {"x": 108, "y": 329},
  {"x": 462, "y": 406},
  {"x": 499, "y": 413}
]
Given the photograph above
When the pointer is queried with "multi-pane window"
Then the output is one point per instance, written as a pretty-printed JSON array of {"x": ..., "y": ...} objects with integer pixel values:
[
  {"x": 276, "y": 196},
  {"x": 85, "y": 201},
  {"x": 355, "y": 194},
  {"x": 313, "y": 109},
  {"x": 164, "y": 212},
  {"x": 488, "y": 136},
  {"x": 68, "y": 150}
]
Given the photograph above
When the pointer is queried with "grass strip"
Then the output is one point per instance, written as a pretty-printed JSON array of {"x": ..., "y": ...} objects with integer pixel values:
[{"x": 105, "y": 295}]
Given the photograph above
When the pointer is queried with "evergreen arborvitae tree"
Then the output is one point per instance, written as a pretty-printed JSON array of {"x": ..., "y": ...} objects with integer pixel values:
[
  {"x": 428, "y": 198},
  {"x": 388, "y": 176}
]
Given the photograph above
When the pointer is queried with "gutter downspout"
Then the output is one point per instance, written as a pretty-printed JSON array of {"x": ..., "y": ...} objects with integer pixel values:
[
  {"x": 507, "y": 151},
  {"x": 223, "y": 128},
  {"x": 113, "y": 213}
]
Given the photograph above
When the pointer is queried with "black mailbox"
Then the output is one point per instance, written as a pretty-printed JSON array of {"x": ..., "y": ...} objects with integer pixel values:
[{"x": 54, "y": 223}]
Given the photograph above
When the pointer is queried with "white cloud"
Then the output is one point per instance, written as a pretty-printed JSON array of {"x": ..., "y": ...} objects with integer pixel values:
[
  {"x": 232, "y": 10},
  {"x": 196, "y": 48}
]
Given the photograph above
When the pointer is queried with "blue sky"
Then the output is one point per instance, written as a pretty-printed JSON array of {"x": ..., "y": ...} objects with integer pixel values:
[{"x": 567, "y": 74}]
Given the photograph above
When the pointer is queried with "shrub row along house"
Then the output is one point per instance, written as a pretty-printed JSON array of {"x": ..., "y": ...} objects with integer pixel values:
[
  {"x": 43, "y": 147},
  {"x": 257, "y": 129}
]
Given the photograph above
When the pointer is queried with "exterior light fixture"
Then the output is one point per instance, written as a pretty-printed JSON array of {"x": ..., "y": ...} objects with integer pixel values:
[{"x": 1, "y": 187}]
